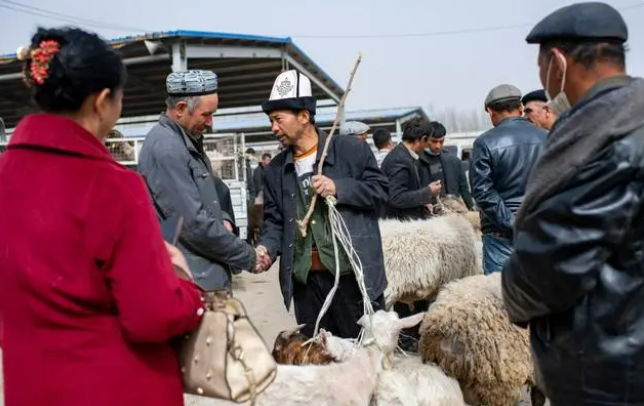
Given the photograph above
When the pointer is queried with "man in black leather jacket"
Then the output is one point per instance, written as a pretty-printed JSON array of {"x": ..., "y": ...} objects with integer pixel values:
[
  {"x": 501, "y": 161},
  {"x": 577, "y": 272}
]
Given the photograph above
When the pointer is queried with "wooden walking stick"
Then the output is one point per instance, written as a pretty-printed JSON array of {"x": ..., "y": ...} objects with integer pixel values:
[{"x": 305, "y": 221}]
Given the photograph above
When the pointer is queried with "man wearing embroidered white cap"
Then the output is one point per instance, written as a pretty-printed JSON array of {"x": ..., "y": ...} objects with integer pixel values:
[{"x": 351, "y": 175}]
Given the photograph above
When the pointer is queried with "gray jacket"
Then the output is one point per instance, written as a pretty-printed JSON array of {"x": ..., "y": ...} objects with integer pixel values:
[{"x": 182, "y": 183}]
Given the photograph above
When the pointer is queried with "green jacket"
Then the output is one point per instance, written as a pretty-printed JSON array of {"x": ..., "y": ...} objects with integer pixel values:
[{"x": 318, "y": 231}]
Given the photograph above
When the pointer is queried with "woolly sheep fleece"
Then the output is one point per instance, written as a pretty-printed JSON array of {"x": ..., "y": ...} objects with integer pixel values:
[
  {"x": 422, "y": 255},
  {"x": 467, "y": 332},
  {"x": 406, "y": 381},
  {"x": 350, "y": 383}
]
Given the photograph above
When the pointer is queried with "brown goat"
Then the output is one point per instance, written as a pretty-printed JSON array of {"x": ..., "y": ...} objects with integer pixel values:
[{"x": 290, "y": 349}]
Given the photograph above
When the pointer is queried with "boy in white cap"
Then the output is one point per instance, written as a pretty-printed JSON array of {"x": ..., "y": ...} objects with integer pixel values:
[{"x": 351, "y": 175}]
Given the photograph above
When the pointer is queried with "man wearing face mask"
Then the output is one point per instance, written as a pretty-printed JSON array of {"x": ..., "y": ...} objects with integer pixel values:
[
  {"x": 577, "y": 275},
  {"x": 537, "y": 111},
  {"x": 439, "y": 165},
  {"x": 501, "y": 161}
]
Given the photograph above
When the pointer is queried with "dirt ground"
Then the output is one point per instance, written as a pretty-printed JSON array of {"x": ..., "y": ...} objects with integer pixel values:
[{"x": 263, "y": 301}]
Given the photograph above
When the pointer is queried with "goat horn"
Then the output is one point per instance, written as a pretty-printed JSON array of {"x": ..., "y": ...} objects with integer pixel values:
[{"x": 295, "y": 330}]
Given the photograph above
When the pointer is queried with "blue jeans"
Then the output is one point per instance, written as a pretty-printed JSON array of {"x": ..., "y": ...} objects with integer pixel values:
[{"x": 495, "y": 252}]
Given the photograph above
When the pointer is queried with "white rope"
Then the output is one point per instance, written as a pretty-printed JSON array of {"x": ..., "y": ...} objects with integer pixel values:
[{"x": 340, "y": 233}]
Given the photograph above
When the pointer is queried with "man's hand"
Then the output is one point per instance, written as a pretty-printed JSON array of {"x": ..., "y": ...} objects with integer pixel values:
[
  {"x": 323, "y": 186},
  {"x": 435, "y": 187},
  {"x": 179, "y": 262},
  {"x": 263, "y": 259},
  {"x": 228, "y": 226}
]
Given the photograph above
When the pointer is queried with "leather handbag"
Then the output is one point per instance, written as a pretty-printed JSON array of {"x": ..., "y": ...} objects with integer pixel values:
[{"x": 226, "y": 357}]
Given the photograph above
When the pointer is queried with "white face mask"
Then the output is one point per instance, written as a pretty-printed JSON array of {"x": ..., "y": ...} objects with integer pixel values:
[{"x": 560, "y": 104}]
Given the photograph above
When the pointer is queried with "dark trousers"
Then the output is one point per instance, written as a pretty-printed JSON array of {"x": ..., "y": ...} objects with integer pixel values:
[
  {"x": 410, "y": 336},
  {"x": 346, "y": 308}
]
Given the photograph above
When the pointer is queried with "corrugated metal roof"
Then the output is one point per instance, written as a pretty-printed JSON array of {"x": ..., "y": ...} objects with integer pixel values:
[
  {"x": 247, "y": 65},
  {"x": 258, "y": 122},
  {"x": 116, "y": 42}
]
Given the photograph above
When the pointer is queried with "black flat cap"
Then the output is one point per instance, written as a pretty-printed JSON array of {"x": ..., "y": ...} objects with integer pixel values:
[
  {"x": 583, "y": 22},
  {"x": 536, "y": 95}
]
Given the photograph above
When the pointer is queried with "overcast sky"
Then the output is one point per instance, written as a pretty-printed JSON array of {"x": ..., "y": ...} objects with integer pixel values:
[{"x": 415, "y": 52}]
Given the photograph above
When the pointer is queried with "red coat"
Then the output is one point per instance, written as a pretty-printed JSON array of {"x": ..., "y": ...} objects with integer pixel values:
[{"x": 88, "y": 296}]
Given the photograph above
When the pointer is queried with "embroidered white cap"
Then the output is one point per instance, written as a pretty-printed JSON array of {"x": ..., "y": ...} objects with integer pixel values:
[{"x": 291, "y": 91}]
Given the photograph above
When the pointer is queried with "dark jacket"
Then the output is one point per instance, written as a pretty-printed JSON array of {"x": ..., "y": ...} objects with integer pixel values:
[
  {"x": 258, "y": 179},
  {"x": 251, "y": 188},
  {"x": 501, "y": 162},
  {"x": 182, "y": 183},
  {"x": 361, "y": 191},
  {"x": 577, "y": 276},
  {"x": 455, "y": 182},
  {"x": 407, "y": 195}
]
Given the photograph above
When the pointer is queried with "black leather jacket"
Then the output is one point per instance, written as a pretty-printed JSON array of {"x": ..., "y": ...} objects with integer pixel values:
[
  {"x": 577, "y": 276},
  {"x": 501, "y": 162}
]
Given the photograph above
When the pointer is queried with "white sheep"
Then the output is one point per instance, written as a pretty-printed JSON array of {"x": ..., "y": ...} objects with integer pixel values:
[
  {"x": 405, "y": 381},
  {"x": 349, "y": 383},
  {"x": 467, "y": 332},
  {"x": 421, "y": 256}
]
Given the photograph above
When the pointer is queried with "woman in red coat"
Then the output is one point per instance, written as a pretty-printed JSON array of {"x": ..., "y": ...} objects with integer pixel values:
[{"x": 89, "y": 299}]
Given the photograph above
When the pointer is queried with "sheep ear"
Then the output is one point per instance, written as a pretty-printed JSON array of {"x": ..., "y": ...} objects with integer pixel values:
[{"x": 410, "y": 321}]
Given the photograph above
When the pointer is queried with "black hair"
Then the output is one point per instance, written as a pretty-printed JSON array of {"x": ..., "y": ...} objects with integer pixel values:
[
  {"x": 438, "y": 130},
  {"x": 266, "y": 155},
  {"x": 82, "y": 65},
  {"x": 506, "y": 105},
  {"x": 311, "y": 115},
  {"x": 587, "y": 54},
  {"x": 250, "y": 151},
  {"x": 416, "y": 129},
  {"x": 381, "y": 138}
]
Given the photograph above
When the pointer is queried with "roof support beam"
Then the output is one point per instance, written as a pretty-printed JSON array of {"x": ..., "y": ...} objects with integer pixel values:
[
  {"x": 179, "y": 57},
  {"x": 138, "y": 82},
  {"x": 228, "y": 51},
  {"x": 314, "y": 79}
]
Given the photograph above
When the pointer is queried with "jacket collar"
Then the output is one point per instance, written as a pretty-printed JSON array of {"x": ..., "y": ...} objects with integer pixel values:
[
  {"x": 509, "y": 120},
  {"x": 603, "y": 85},
  {"x": 426, "y": 157},
  {"x": 55, "y": 132},
  {"x": 168, "y": 123},
  {"x": 322, "y": 137}
]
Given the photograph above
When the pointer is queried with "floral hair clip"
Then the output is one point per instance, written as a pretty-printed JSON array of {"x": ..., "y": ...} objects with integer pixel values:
[{"x": 40, "y": 59}]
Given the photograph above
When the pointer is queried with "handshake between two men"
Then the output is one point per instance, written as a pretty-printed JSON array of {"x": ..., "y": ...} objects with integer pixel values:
[
  {"x": 264, "y": 261},
  {"x": 323, "y": 186}
]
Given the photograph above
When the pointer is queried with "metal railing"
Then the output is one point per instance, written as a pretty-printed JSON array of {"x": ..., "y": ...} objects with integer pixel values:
[{"x": 225, "y": 152}]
